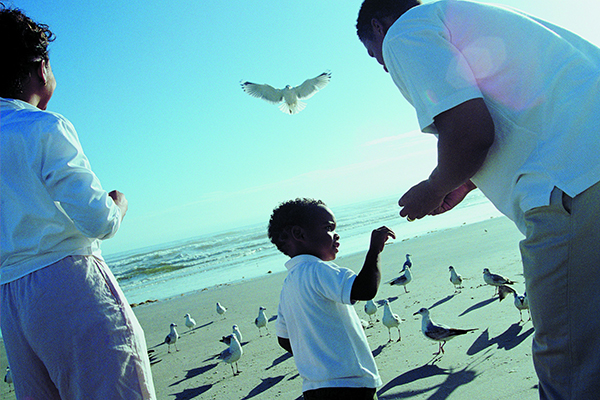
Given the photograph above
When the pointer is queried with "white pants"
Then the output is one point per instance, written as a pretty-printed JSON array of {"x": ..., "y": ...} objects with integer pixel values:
[
  {"x": 69, "y": 333},
  {"x": 561, "y": 263}
]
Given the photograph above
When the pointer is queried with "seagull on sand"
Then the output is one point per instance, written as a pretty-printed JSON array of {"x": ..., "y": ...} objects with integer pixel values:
[
  {"x": 237, "y": 333},
  {"x": 391, "y": 320},
  {"x": 290, "y": 96},
  {"x": 437, "y": 332},
  {"x": 408, "y": 262},
  {"x": 171, "y": 338},
  {"x": 521, "y": 302},
  {"x": 261, "y": 320},
  {"x": 232, "y": 354},
  {"x": 370, "y": 309},
  {"x": 220, "y": 309},
  {"x": 456, "y": 279},
  {"x": 8, "y": 378},
  {"x": 403, "y": 279},
  {"x": 189, "y": 321},
  {"x": 495, "y": 279}
]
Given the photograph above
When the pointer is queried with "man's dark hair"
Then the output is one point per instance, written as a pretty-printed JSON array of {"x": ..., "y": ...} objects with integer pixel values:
[
  {"x": 298, "y": 212},
  {"x": 380, "y": 9},
  {"x": 23, "y": 44}
]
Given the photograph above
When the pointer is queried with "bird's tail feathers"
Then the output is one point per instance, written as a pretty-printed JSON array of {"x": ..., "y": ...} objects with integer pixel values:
[
  {"x": 462, "y": 331},
  {"x": 504, "y": 291},
  {"x": 292, "y": 108}
]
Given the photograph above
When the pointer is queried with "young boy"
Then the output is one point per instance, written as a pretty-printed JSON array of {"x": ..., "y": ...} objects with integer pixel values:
[{"x": 316, "y": 321}]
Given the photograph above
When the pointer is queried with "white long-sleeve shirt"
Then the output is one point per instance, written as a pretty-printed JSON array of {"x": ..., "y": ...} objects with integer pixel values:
[{"x": 52, "y": 204}]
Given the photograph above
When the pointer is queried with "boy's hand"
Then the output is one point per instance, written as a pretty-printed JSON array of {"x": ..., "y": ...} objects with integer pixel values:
[
  {"x": 367, "y": 282},
  {"x": 379, "y": 236}
]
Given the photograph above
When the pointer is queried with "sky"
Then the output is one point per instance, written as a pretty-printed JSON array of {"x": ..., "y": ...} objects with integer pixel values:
[{"x": 153, "y": 90}]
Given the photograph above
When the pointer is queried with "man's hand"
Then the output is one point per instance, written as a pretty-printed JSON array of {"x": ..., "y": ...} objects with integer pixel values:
[
  {"x": 465, "y": 134},
  {"x": 120, "y": 201},
  {"x": 420, "y": 201},
  {"x": 453, "y": 198}
]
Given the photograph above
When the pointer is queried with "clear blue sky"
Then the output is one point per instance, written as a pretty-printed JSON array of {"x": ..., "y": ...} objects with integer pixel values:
[{"x": 153, "y": 91}]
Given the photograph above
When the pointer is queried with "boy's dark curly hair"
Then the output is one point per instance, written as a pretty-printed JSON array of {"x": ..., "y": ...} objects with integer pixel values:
[
  {"x": 293, "y": 212},
  {"x": 23, "y": 43},
  {"x": 380, "y": 9}
]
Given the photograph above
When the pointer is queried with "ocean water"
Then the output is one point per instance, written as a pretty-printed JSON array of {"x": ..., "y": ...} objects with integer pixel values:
[{"x": 173, "y": 269}]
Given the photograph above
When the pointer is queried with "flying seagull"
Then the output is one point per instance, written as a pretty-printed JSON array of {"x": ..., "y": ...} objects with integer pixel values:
[
  {"x": 290, "y": 96},
  {"x": 437, "y": 332},
  {"x": 495, "y": 279}
]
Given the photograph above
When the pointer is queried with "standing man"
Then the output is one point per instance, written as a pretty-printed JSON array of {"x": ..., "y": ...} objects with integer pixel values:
[
  {"x": 515, "y": 104},
  {"x": 68, "y": 330}
]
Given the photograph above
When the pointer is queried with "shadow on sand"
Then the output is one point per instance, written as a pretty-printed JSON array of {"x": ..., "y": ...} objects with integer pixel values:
[
  {"x": 279, "y": 360},
  {"x": 188, "y": 394},
  {"x": 440, "y": 391},
  {"x": 265, "y": 385},
  {"x": 478, "y": 305},
  {"x": 192, "y": 373},
  {"x": 507, "y": 340}
]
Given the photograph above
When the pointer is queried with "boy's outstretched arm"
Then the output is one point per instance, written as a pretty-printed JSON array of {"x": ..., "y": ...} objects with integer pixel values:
[
  {"x": 367, "y": 282},
  {"x": 285, "y": 343}
]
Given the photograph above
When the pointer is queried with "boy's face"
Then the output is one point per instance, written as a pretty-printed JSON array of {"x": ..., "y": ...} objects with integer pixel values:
[{"x": 321, "y": 240}]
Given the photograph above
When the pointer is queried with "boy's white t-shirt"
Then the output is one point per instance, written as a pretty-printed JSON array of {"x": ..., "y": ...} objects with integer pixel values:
[
  {"x": 316, "y": 314},
  {"x": 540, "y": 82}
]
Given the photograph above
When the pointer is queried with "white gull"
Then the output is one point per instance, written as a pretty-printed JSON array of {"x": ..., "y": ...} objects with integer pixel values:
[
  {"x": 437, "y": 332},
  {"x": 495, "y": 279},
  {"x": 290, "y": 96},
  {"x": 189, "y": 321},
  {"x": 455, "y": 279},
  {"x": 391, "y": 320},
  {"x": 261, "y": 321},
  {"x": 233, "y": 353},
  {"x": 171, "y": 338}
]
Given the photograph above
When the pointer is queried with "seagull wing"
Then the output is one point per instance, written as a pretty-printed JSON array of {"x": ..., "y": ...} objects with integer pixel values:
[
  {"x": 226, "y": 354},
  {"x": 265, "y": 92},
  {"x": 401, "y": 280},
  {"x": 310, "y": 86},
  {"x": 452, "y": 332},
  {"x": 504, "y": 291},
  {"x": 436, "y": 332}
]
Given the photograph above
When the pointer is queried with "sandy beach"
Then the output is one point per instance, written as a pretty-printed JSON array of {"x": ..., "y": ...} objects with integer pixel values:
[{"x": 493, "y": 362}]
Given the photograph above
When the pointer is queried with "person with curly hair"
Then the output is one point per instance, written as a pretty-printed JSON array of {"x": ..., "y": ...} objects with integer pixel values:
[
  {"x": 68, "y": 330},
  {"x": 515, "y": 104},
  {"x": 315, "y": 320}
]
